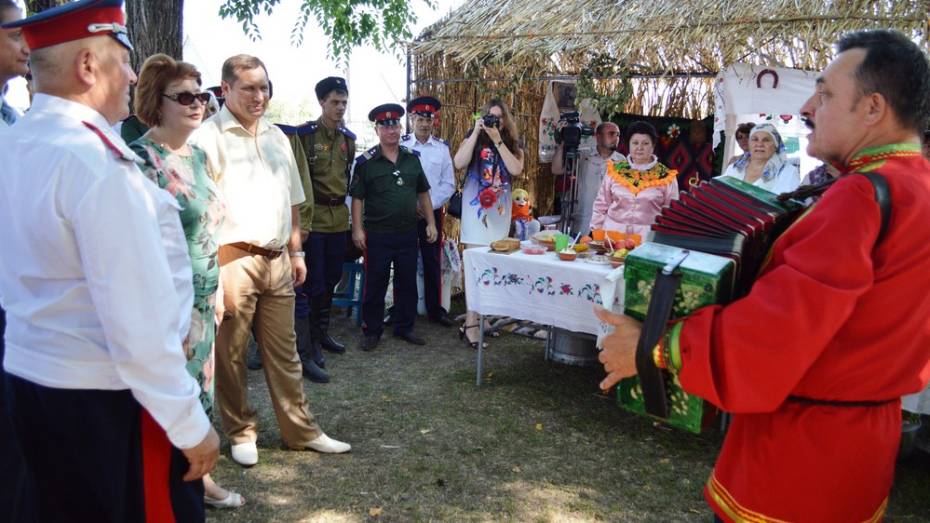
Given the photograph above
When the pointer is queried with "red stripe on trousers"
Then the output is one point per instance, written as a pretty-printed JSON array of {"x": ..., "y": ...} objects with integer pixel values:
[{"x": 156, "y": 469}]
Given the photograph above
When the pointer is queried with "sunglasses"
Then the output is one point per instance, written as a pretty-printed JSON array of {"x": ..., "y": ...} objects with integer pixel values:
[{"x": 186, "y": 98}]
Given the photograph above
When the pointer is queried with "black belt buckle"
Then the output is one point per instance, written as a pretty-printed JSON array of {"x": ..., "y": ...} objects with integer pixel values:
[{"x": 330, "y": 202}]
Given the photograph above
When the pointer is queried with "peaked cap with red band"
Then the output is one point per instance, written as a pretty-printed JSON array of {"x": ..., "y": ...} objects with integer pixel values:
[
  {"x": 73, "y": 21},
  {"x": 386, "y": 114},
  {"x": 424, "y": 106}
]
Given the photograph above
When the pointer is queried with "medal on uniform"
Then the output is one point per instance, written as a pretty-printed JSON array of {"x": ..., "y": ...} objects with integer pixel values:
[{"x": 396, "y": 173}]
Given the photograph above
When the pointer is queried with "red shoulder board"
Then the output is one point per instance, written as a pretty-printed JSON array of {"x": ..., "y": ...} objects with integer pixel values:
[{"x": 120, "y": 150}]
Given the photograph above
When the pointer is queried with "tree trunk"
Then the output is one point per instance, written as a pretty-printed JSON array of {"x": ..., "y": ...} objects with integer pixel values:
[
  {"x": 34, "y": 6},
  {"x": 155, "y": 26}
]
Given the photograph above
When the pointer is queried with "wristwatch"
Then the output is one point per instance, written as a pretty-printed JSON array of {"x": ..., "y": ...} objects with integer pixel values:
[{"x": 297, "y": 254}]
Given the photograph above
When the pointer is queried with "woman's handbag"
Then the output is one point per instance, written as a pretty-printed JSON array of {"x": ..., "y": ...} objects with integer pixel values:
[{"x": 455, "y": 205}]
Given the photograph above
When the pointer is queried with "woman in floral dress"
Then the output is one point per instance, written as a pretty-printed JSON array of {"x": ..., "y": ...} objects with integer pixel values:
[
  {"x": 492, "y": 156},
  {"x": 169, "y": 100}
]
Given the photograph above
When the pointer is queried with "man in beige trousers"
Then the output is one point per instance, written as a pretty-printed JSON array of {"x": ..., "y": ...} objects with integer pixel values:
[{"x": 261, "y": 261}]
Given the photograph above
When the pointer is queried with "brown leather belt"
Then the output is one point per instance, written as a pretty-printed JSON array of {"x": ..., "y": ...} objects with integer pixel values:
[{"x": 253, "y": 249}]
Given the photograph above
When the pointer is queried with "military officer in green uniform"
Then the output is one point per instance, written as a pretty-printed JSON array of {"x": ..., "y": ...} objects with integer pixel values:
[
  {"x": 329, "y": 148},
  {"x": 387, "y": 185}
]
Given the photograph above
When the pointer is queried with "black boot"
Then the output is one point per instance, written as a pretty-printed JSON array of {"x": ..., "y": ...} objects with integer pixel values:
[
  {"x": 311, "y": 369},
  {"x": 253, "y": 358},
  {"x": 323, "y": 309}
]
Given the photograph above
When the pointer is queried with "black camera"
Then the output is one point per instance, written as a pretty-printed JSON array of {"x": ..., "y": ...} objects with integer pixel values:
[
  {"x": 491, "y": 120},
  {"x": 572, "y": 131}
]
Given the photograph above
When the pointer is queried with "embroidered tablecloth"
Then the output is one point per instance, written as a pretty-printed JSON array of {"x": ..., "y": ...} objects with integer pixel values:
[{"x": 540, "y": 288}]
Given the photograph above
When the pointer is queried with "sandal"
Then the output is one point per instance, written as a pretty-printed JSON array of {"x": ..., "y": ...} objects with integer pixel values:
[
  {"x": 472, "y": 344},
  {"x": 232, "y": 500}
]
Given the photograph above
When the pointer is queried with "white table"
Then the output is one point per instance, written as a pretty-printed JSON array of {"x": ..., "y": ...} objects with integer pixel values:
[{"x": 538, "y": 288}]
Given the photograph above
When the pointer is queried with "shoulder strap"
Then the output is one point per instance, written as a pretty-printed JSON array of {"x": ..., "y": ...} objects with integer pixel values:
[
  {"x": 347, "y": 133},
  {"x": 350, "y": 145},
  {"x": 118, "y": 147},
  {"x": 883, "y": 198}
]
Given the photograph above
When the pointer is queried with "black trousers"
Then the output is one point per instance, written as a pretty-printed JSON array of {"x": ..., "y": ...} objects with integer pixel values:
[
  {"x": 431, "y": 253},
  {"x": 16, "y": 490},
  {"x": 326, "y": 252},
  {"x": 96, "y": 455},
  {"x": 384, "y": 250}
]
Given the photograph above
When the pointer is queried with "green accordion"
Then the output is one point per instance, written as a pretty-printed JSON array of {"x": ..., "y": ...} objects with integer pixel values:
[
  {"x": 707, "y": 248},
  {"x": 706, "y": 280}
]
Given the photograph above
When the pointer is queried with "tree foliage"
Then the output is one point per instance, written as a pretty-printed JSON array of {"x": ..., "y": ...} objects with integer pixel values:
[{"x": 385, "y": 24}]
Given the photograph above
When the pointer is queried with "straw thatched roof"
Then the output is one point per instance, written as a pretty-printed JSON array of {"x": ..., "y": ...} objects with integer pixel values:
[
  {"x": 659, "y": 36},
  {"x": 672, "y": 49}
]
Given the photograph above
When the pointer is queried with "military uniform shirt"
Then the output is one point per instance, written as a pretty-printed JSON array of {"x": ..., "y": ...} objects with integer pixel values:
[
  {"x": 389, "y": 190},
  {"x": 328, "y": 178}
]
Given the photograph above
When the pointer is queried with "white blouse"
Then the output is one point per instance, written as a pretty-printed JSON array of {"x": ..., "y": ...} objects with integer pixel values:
[{"x": 786, "y": 180}]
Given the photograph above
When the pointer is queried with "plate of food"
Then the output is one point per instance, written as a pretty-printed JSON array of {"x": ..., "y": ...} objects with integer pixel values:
[
  {"x": 546, "y": 238},
  {"x": 598, "y": 259},
  {"x": 618, "y": 257},
  {"x": 597, "y": 246},
  {"x": 507, "y": 245}
]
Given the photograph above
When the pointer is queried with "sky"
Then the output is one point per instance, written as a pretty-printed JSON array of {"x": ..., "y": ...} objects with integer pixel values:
[{"x": 373, "y": 78}]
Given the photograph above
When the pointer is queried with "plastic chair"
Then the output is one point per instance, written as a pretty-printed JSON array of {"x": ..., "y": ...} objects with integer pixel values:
[{"x": 352, "y": 296}]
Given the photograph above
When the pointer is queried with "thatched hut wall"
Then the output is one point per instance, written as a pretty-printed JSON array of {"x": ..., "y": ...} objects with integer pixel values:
[{"x": 462, "y": 99}]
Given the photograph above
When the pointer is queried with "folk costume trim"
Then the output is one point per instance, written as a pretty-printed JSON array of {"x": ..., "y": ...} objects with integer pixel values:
[
  {"x": 872, "y": 158},
  {"x": 636, "y": 181},
  {"x": 721, "y": 498}
]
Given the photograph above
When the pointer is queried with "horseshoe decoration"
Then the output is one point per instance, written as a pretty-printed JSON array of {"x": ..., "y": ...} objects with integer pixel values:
[{"x": 765, "y": 72}]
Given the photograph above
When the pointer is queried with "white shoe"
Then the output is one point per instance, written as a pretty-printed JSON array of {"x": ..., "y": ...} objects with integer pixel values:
[
  {"x": 245, "y": 454},
  {"x": 328, "y": 445}
]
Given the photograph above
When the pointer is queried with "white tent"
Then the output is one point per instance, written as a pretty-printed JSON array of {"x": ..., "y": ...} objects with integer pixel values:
[{"x": 753, "y": 93}]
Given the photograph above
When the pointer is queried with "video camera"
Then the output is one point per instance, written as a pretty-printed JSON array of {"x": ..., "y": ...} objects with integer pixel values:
[
  {"x": 571, "y": 133},
  {"x": 491, "y": 120}
]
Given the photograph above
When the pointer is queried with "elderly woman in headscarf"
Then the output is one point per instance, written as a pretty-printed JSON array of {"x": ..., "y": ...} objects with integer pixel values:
[{"x": 767, "y": 165}]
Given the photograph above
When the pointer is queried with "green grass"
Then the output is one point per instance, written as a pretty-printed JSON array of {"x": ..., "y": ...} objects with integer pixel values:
[{"x": 538, "y": 442}]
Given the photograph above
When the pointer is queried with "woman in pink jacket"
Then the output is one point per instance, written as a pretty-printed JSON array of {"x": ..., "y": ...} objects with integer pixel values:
[{"x": 634, "y": 191}]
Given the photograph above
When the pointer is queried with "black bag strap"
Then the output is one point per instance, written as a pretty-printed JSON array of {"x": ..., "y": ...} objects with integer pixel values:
[
  {"x": 350, "y": 162},
  {"x": 652, "y": 378},
  {"x": 883, "y": 198}
]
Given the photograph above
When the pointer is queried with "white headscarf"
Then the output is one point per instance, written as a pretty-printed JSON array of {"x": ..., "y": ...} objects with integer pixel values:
[{"x": 775, "y": 163}]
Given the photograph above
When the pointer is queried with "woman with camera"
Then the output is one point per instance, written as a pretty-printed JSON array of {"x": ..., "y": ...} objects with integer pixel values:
[
  {"x": 634, "y": 191},
  {"x": 491, "y": 154}
]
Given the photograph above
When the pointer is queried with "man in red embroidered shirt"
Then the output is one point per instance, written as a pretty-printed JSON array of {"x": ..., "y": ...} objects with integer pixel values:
[{"x": 813, "y": 361}]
